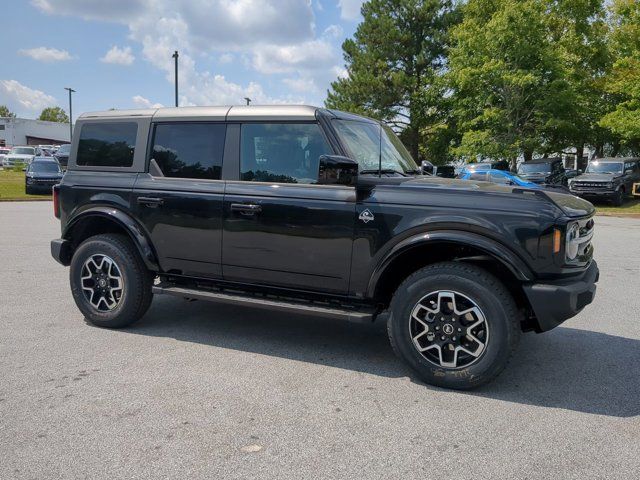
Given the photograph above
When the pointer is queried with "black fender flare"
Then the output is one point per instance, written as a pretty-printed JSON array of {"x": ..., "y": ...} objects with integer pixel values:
[
  {"x": 133, "y": 229},
  {"x": 492, "y": 247}
]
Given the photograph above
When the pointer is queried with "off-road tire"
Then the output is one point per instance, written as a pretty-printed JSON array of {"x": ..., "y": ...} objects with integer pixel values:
[
  {"x": 618, "y": 198},
  {"x": 502, "y": 317},
  {"x": 137, "y": 280}
]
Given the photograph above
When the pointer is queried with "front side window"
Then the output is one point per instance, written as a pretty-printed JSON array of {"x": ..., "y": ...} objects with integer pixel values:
[
  {"x": 280, "y": 152},
  {"x": 189, "y": 150},
  {"x": 501, "y": 179},
  {"x": 374, "y": 147},
  {"x": 108, "y": 144}
]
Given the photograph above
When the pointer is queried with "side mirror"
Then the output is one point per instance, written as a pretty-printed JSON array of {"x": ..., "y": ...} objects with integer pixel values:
[
  {"x": 337, "y": 170},
  {"x": 426, "y": 167},
  {"x": 580, "y": 172}
]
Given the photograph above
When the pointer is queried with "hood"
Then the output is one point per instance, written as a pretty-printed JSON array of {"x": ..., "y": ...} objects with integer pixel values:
[
  {"x": 596, "y": 177},
  {"x": 570, "y": 205},
  {"x": 20, "y": 155}
]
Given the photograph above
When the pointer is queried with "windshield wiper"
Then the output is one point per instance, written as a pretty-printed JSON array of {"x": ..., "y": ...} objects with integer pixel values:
[{"x": 384, "y": 170}]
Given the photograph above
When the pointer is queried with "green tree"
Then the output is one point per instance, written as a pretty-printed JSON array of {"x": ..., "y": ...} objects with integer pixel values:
[
  {"x": 5, "y": 112},
  {"x": 54, "y": 114},
  {"x": 624, "y": 80},
  {"x": 507, "y": 77},
  {"x": 579, "y": 30},
  {"x": 394, "y": 63}
]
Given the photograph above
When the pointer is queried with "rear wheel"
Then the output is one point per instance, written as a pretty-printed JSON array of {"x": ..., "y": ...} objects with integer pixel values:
[
  {"x": 455, "y": 324},
  {"x": 109, "y": 281}
]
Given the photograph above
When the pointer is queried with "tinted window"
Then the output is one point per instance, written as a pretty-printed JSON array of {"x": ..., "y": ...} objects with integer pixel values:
[
  {"x": 501, "y": 179},
  {"x": 482, "y": 176},
  {"x": 281, "y": 152},
  {"x": 107, "y": 144},
  {"x": 189, "y": 150}
]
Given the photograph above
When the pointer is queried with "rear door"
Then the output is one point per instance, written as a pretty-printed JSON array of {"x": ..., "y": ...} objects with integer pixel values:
[
  {"x": 280, "y": 227},
  {"x": 180, "y": 199}
]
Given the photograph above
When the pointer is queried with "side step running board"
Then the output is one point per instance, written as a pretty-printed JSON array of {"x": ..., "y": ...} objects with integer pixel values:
[{"x": 269, "y": 303}]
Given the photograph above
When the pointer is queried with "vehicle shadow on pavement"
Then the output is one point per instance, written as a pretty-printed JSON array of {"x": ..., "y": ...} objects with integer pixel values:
[{"x": 566, "y": 368}]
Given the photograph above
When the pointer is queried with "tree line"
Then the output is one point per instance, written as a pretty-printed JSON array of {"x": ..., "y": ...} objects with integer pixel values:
[
  {"x": 49, "y": 114},
  {"x": 499, "y": 79}
]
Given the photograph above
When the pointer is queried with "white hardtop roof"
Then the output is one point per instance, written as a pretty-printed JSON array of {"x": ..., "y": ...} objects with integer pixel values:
[{"x": 221, "y": 113}]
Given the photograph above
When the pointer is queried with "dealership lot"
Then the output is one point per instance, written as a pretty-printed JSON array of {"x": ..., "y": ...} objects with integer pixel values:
[{"x": 201, "y": 390}]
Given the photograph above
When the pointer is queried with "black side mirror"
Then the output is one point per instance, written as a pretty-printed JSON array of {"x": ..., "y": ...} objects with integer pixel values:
[
  {"x": 337, "y": 170},
  {"x": 426, "y": 167}
]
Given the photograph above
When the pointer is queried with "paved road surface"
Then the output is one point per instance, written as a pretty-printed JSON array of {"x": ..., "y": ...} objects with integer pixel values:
[{"x": 198, "y": 390}]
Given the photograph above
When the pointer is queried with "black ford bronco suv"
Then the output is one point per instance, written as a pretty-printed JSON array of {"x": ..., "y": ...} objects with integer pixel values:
[
  {"x": 607, "y": 179},
  {"x": 314, "y": 211}
]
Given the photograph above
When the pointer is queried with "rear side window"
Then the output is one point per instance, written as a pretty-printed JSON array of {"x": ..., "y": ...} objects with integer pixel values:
[
  {"x": 189, "y": 150},
  {"x": 109, "y": 144},
  {"x": 279, "y": 152}
]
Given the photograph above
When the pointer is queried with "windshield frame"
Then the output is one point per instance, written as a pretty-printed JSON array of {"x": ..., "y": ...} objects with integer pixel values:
[{"x": 398, "y": 159}]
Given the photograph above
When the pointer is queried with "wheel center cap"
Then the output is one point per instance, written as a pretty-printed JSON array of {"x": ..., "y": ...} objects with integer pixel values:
[
  {"x": 447, "y": 328},
  {"x": 102, "y": 282}
]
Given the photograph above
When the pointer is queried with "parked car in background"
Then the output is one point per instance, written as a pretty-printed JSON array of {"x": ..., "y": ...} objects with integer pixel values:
[
  {"x": 497, "y": 165},
  {"x": 3, "y": 154},
  {"x": 500, "y": 177},
  {"x": 445, "y": 171},
  {"x": 609, "y": 179},
  {"x": 548, "y": 171},
  {"x": 572, "y": 173},
  {"x": 41, "y": 175},
  {"x": 18, "y": 156},
  {"x": 62, "y": 155}
]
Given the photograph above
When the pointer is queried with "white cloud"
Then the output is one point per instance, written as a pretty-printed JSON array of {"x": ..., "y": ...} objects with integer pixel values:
[
  {"x": 226, "y": 58},
  {"x": 44, "y": 54},
  {"x": 333, "y": 31},
  {"x": 142, "y": 102},
  {"x": 272, "y": 37},
  {"x": 302, "y": 85},
  {"x": 23, "y": 99},
  {"x": 312, "y": 55},
  {"x": 350, "y": 9},
  {"x": 118, "y": 56}
]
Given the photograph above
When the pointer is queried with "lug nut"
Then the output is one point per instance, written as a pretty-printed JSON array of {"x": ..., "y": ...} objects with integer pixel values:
[
  {"x": 437, "y": 328},
  {"x": 454, "y": 339},
  {"x": 459, "y": 329},
  {"x": 442, "y": 337}
]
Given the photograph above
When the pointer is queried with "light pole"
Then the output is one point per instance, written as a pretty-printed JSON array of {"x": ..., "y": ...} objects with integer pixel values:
[
  {"x": 175, "y": 58},
  {"x": 71, "y": 90},
  {"x": 248, "y": 100}
]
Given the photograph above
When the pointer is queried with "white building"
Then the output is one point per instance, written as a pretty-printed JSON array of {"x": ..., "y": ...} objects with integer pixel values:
[{"x": 24, "y": 131}]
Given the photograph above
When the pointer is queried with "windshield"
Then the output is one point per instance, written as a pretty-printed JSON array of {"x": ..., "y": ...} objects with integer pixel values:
[
  {"x": 365, "y": 142},
  {"x": 23, "y": 151},
  {"x": 534, "y": 168},
  {"x": 598, "y": 167},
  {"x": 64, "y": 149},
  {"x": 44, "y": 167}
]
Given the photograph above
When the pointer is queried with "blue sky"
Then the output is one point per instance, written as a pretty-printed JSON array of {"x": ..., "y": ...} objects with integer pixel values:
[{"x": 117, "y": 53}]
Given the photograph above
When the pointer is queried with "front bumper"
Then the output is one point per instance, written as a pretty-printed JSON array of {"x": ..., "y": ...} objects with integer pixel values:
[
  {"x": 555, "y": 302},
  {"x": 61, "y": 251}
]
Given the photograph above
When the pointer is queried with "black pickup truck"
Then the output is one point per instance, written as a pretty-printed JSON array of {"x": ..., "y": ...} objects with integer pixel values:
[{"x": 314, "y": 211}]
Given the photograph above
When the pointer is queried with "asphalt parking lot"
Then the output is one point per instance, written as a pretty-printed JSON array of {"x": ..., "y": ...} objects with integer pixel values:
[{"x": 197, "y": 390}]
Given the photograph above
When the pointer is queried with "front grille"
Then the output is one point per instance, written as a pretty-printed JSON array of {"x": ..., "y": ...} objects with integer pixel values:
[{"x": 595, "y": 185}]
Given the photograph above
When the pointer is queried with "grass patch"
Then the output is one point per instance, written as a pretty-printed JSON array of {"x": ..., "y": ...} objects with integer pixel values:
[
  {"x": 630, "y": 207},
  {"x": 12, "y": 187}
]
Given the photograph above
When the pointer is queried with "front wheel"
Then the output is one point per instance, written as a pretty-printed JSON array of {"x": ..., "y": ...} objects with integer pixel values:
[
  {"x": 618, "y": 198},
  {"x": 109, "y": 281},
  {"x": 455, "y": 324}
]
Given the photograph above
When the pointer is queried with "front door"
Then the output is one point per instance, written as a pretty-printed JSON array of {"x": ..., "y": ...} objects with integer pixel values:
[
  {"x": 180, "y": 200},
  {"x": 280, "y": 227}
]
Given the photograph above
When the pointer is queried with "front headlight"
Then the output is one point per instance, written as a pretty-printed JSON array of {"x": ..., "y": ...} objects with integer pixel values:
[{"x": 572, "y": 241}]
